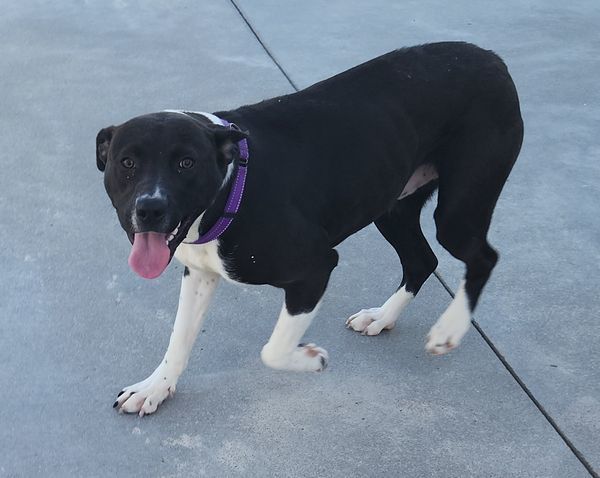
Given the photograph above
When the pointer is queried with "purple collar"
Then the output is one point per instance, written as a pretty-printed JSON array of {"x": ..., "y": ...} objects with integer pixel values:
[{"x": 235, "y": 195}]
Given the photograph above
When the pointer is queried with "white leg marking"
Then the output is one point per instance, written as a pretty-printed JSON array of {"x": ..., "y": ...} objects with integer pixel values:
[
  {"x": 373, "y": 321},
  {"x": 451, "y": 327},
  {"x": 144, "y": 397},
  {"x": 283, "y": 351}
]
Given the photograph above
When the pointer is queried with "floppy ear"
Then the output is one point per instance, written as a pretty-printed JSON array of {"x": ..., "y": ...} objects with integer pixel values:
[
  {"x": 226, "y": 140},
  {"x": 103, "y": 140}
]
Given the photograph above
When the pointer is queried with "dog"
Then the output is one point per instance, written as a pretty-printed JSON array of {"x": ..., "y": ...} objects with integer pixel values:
[{"x": 264, "y": 193}]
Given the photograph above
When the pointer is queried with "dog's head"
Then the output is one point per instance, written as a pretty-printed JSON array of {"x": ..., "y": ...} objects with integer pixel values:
[{"x": 161, "y": 171}]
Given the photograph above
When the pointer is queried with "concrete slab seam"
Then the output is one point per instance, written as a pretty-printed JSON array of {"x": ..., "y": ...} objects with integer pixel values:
[
  {"x": 438, "y": 276},
  {"x": 524, "y": 387},
  {"x": 262, "y": 44}
]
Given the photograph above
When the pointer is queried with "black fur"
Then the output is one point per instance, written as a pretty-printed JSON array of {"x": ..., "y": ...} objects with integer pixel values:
[{"x": 331, "y": 159}]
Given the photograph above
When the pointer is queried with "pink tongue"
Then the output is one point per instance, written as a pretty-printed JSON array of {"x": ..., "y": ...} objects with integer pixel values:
[{"x": 150, "y": 254}]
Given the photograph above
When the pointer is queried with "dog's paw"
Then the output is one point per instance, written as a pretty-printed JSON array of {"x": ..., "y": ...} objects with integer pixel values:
[
  {"x": 144, "y": 397},
  {"x": 446, "y": 334},
  {"x": 310, "y": 358},
  {"x": 370, "y": 321},
  {"x": 305, "y": 358}
]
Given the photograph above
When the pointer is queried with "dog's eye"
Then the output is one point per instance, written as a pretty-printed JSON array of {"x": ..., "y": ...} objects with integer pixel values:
[
  {"x": 186, "y": 163},
  {"x": 128, "y": 163}
]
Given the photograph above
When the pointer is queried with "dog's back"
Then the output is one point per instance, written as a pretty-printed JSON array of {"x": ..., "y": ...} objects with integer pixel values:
[{"x": 361, "y": 135}]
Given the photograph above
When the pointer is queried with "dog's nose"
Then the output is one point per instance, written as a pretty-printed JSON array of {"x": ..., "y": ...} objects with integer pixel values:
[{"x": 150, "y": 209}]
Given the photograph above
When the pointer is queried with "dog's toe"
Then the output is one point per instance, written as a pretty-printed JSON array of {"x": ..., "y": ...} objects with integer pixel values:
[
  {"x": 323, "y": 363},
  {"x": 304, "y": 358},
  {"x": 310, "y": 358},
  {"x": 442, "y": 339},
  {"x": 370, "y": 321},
  {"x": 145, "y": 397}
]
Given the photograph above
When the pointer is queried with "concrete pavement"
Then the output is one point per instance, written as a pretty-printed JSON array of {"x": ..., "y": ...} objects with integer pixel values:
[{"x": 77, "y": 324}]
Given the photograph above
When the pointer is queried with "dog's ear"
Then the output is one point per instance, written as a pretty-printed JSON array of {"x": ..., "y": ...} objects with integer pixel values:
[
  {"x": 103, "y": 140},
  {"x": 226, "y": 140}
]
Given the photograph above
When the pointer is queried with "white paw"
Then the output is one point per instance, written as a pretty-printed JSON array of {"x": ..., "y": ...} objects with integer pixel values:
[
  {"x": 446, "y": 334},
  {"x": 305, "y": 358},
  {"x": 144, "y": 397},
  {"x": 370, "y": 321}
]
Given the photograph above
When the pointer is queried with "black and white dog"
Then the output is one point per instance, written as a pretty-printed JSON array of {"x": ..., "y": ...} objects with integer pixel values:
[{"x": 262, "y": 194}]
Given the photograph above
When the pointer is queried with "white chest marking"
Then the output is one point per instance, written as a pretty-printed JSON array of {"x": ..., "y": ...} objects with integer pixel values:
[{"x": 204, "y": 257}]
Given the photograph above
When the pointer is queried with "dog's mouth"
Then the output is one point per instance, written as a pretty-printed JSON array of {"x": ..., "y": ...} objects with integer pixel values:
[{"x": 152, "y": 251}]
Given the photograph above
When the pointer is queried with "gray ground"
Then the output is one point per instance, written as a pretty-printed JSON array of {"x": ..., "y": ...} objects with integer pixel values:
[{"x": 77, "y": 325}]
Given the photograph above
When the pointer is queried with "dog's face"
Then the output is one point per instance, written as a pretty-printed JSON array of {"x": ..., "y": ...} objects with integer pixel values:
[{"x": 161, "y": 171}]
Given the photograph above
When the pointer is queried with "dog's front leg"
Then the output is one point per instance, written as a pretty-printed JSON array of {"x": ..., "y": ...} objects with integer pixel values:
[
  {"x": 284, "y": 351},
  {"x": 197, "y": 289}
]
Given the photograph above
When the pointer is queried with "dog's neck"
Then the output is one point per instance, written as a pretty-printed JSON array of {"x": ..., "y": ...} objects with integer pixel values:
[
  {"x": 217, "y": 217},
  {"x": 217, "y": 207},
  {"x": 211, "y": 214}
]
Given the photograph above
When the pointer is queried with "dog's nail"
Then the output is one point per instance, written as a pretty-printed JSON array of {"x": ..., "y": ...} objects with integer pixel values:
[
  {"x": 301, "y": 345},
  {"x": 323, "y": 363},
  {"x": 120, "y": 393},
  {"x": 115, "y": 404}
]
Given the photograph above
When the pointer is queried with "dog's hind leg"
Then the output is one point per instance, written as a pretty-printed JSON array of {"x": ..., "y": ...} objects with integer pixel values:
[
  {"x": 471, "y": 179},
  {"x": 197, "y": 289},
  {"x": 402, "y": 229},
  {"x": 284, "y": 351},
  {"x": 465, "y": 238}
]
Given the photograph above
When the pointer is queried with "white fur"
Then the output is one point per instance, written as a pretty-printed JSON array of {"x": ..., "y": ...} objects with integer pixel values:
[
  {"x": 283, "y": 352},
  {"x": 228, "y": 174},
  {"x": 210, "y": 116},
  {"x": 373, "y": 321},
  {"x": 214, "y": 119},
  {"x": 144, "y": 397},
  {"x": 175, "y": 111},
  {"x": 201, "y": 256},
  {"x": 451, "y": 327},
  {"x": 197, "y": 289},
  {"x": 156, "y": 194},
  {"x": 134, "y": 222}
]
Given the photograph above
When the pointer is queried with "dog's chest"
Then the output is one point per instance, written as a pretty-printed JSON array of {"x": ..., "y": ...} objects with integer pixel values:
[{"x": 203, "y": 257}]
